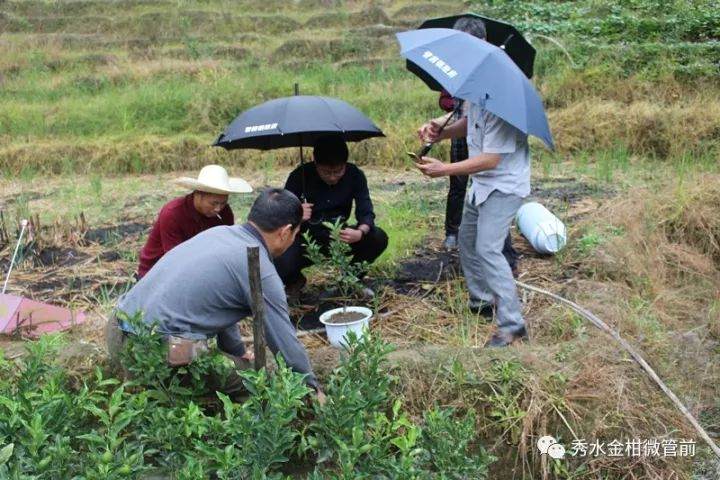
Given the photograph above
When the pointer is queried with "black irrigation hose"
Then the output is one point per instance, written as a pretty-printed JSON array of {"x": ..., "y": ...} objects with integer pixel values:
[{"x": 631, "y": 350}]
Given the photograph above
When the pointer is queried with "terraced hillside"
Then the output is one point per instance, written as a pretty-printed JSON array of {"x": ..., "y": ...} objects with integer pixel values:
[{"x": 146, "y": 85}]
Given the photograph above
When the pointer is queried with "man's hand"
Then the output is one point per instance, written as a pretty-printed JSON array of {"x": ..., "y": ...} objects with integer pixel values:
[
  {"x": 351, "y": 235},
  {"x": 243, "y": 362},
  {"x": 429, "y": 132},
  {"x": 321, "y": 398},
  {"x": 307, "y": 211},
  {"x": 249, "y": 356},
  {"x": 431, "y": 167}
]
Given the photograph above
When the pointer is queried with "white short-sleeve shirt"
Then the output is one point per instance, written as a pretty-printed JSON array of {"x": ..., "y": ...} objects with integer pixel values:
[{"x": 488, "y": 133}]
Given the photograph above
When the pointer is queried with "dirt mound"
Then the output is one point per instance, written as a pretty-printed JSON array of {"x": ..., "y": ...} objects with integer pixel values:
[
  {"x": 426, "y": 265},
  {"x": 378, "y": 62},
  {"x": 70, "y": 24},
  {"x": 372, "y": 31},
  {"x": 233, "y": 52},
  {"x": 643, "y": 127},
  {"x": 338, "y": 49},
  {"x": 421, "y": 11},
  {"x": 370, "y": 16},
  {"x": 568, "y": 190}
]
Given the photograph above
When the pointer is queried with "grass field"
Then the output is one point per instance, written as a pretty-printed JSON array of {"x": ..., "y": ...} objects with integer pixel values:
[
  {"x": 146, "y": 86},
  {"x": 102, "y": 103}
]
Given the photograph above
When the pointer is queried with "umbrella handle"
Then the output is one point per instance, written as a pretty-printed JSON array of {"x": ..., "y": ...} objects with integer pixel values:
[
  {"x": 507, "y": 40},
  {"x": 303, "y": 197},
  {"x": 428, "y": 146}
]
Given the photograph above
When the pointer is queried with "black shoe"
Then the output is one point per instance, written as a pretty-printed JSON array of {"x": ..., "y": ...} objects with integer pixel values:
[
  {"x": 486, "y": 310},
  {"x": 503, "y": 339}
]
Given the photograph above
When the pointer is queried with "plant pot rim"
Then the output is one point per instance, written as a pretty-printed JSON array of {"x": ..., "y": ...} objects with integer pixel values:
[{"x": 329, "y": 313}]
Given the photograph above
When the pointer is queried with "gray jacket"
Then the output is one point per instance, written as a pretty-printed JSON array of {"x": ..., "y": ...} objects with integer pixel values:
[{"x": 201, "y": 289}]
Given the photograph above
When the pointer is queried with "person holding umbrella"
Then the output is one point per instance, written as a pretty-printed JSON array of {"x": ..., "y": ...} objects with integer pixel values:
[
  {"x": 330, "y": 186},
  {"x": 501, "y": 109},
  {"x": 499, "y": 169},
  {"x": 458, "y": 152},
  {"x": 327, "y": 187}
]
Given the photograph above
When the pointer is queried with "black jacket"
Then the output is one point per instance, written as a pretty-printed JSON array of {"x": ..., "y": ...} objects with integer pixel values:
[{"x": 334, "y": 201}]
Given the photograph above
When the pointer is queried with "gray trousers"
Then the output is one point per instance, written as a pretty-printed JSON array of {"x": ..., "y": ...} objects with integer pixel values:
[{"x": 488, "y": 276}]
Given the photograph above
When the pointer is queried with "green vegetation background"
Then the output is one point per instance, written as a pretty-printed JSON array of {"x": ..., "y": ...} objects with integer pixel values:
[{"x": 147, "y": 85}]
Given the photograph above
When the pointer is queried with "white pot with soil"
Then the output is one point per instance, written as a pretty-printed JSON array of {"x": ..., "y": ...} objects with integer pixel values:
[{"x": 339, "y": 321}]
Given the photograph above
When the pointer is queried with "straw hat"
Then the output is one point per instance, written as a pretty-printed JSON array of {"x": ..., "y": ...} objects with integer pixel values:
[{"x": 214, "y": 179}]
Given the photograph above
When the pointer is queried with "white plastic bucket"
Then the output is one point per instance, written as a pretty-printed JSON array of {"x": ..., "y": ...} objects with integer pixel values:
[
  {"x": 336, "y": 331},
  {"x": 545, "y": 232}
]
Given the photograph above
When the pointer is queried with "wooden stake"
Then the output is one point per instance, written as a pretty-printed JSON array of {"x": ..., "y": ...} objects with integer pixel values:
[
  {"x": 4, "y": 237},
  {"x": 258, "y": 306}
]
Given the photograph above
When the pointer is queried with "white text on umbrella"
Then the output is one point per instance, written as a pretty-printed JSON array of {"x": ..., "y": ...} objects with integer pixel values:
[
  {"x": 261, "y": 128},
  {"x": 447, "y": 69}
]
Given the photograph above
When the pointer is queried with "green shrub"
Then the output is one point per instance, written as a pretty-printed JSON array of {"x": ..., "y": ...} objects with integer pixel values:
[
  {"x": 446, "y": 442},
  {"x": 54, "y": 426},
  {"x": 338, "y": 260},
  {"x": 144, "y": 358},
  {"x": 365, "y": 433}
]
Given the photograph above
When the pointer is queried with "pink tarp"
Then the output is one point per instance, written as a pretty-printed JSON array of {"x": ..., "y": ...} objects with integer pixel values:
[{"x": 33, "y": 318}]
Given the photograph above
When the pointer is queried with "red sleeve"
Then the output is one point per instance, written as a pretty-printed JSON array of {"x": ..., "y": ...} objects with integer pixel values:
[
  {"x": 171, "y": 234},
  {"x": 446, "y": 101}
]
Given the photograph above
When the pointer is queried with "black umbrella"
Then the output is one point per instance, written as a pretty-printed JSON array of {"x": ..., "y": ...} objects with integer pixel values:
[
  {"x": 499, "y": 33},
  {"x": 296, "y": 121}
]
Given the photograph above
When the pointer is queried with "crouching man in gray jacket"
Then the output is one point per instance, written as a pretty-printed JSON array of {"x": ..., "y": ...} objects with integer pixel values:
[{"x": 200, "y": 289}]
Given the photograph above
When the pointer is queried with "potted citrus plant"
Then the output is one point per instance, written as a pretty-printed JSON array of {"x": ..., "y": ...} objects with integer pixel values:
[{"x": 346, "y": 274}]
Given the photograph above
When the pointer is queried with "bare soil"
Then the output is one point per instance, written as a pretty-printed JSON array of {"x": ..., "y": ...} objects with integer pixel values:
[
  {"x": 345, "y": 317},
  {"x": 115, "y": 233},
  {"x": 59, "y": 256},
  {"x": 428, "y": 264}
]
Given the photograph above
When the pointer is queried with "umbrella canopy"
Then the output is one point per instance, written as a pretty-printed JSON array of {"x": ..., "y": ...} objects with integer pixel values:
[
  {"x": 475, "y": 70},
  {"x": 499, "y": 33},
  {"x": 295, "y": 122}
]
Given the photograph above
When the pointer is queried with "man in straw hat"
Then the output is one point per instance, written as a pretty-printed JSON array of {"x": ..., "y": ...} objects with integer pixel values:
[{"x": 184, "y": 217}]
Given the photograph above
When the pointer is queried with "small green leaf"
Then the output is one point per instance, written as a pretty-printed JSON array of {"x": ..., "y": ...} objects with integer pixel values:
[{"x": 6, "y": 453}]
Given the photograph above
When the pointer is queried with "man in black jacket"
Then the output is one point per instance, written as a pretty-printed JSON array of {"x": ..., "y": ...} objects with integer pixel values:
[{"x": 328, "y": 187}]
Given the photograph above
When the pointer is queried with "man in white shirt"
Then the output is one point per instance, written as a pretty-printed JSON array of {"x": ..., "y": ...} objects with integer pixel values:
[{"x": 499, "y": 169}]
